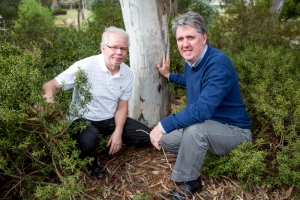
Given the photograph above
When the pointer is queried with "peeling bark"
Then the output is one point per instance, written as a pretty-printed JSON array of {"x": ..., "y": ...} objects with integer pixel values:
[{"x": 147, "y": 24}]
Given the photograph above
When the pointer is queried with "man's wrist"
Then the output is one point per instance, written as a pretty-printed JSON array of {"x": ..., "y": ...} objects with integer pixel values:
[
  {"x": 162, "y": 128},
  {"x": 168, "y": 76}
]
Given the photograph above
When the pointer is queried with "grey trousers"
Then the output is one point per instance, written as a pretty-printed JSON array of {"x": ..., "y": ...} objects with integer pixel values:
[{"x": 191, "y": 144}]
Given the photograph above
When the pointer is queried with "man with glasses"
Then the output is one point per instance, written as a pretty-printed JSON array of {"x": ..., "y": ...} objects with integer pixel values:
[{"x": 111, "y": 83}]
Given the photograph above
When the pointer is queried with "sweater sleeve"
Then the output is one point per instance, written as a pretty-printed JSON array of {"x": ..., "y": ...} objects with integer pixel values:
[
  {"x": 217, "y": 82},
  {"x": 178, "y": 78}
]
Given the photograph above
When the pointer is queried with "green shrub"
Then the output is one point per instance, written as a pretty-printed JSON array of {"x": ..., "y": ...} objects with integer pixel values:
[
  {"x": 34, "y": 21},
  {"x": 269, "y": 79},
  {"x": 37, "y": 145},
  {"x": 290, "y": 10},
  {"x": 245, "y": 164},
  {"x": 249, "y": 24},
  {"x": 59, "y": 11},
  {"x": 64, "y": 46}
]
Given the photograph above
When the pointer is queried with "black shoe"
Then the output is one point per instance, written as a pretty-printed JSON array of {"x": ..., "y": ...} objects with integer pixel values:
[
  {"x": 98, "y": 172},
  {"x": 188, "y": 189}
]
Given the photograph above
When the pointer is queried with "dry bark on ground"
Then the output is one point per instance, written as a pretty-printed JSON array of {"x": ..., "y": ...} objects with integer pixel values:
[{"x": 140, "y": 171}]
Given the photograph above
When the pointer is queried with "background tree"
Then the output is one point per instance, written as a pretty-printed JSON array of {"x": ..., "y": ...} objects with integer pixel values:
[
  {"x": 203, "y": 7},
  {"x": 45, "y": 3},
  {"x": 8, "y": 11},
  {"x": 277, "y": 6},
  {"x": 290, "y": 10},
  {"x": 34, "y": 21}
]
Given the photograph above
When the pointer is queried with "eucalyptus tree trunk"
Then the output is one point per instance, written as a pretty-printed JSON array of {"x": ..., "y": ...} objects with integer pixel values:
[
  {"x": 277, "y": 6},
  {"x": 146, "y": 21}
]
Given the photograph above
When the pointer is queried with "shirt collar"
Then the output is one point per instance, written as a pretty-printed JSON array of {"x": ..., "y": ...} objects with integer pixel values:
[{"x": 193, "y": 66}]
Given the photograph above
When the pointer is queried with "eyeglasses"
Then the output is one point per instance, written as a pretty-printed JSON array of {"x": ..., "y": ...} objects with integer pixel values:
[{"x": 114, "y": 49}]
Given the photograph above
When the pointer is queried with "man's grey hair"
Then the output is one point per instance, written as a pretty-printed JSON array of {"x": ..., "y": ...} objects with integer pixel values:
[
  {"x": 113, "y": 29},
  {"x": 189, "y": 19}
]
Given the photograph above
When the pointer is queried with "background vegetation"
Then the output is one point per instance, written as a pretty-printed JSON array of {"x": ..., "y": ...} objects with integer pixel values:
[{"x": 37, "y": 148}]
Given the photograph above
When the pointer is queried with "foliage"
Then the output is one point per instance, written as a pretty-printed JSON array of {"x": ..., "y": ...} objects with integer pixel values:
[
  {"x": 59, "y": 11},
  {"x": 141, "y": 197},
  {"x": 290, "y": 10},
  {"x": 269, "y": 82},
  {"x": 204, "y": 8},
  {"x": 64, "y": 46},
  {"x": 104, "y": 14},
  {"x": 45, "y": 3},
  {"x": 8, "y": 10},
  {"x": 36, "y": 145},
  {"x": 33, "y": 21},
  {"x": 245, "y": 163},
  {"x": 246, "y": 24},
  {"x": 43, "y": 133}
]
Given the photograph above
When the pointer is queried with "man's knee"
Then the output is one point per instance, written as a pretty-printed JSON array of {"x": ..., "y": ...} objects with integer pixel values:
[
  {"x": 88, "y": 140},
  {"x": 195, "y": 131},
  {"x": 171, "y": 142},
  {"x": 88, "y": 144}
]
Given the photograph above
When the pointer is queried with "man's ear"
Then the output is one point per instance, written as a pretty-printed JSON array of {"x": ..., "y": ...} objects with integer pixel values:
[
  {"x": 205, "y": 36},
  {"x": 102, "y": 48}
]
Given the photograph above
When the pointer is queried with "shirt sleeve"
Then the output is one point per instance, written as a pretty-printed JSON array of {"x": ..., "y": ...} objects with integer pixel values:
[
  {"x": 66, "y": 79},
  {"x": 178, "y": 78}
]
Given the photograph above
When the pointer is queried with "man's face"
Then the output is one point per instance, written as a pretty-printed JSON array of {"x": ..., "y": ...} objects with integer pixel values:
[
  {"x": 190, "y": 42},
  {"x": 115, "y": 51}
]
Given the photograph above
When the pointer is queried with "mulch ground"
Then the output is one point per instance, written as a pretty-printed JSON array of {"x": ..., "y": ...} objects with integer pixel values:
[{"x": 144, "y": 173}]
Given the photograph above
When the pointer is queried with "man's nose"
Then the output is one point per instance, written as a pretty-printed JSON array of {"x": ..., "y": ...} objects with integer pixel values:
[
  {"x": 119, "y": 51},
  {"x": 185, "y": 43}
]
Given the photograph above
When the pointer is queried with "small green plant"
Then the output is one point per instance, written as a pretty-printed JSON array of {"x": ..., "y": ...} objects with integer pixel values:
[{"x": 141, "y": 197}]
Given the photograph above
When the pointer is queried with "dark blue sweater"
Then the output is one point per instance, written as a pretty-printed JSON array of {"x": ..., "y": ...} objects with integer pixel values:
[{"x": 212, "y": 92}]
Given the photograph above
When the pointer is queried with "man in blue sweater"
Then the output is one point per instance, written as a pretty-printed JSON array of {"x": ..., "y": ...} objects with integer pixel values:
[{"x": 215, "y": 119}]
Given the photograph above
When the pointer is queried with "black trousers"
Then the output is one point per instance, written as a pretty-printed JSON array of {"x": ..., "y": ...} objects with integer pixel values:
[{"x": 89, "y": 138}]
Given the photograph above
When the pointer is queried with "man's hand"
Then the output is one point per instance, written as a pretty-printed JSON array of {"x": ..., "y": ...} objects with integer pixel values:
[
  {"x": 155, "y": 135},
  {"x": 37, "y": 108},
  {"x": 115, "y": 142},
  {"x": 165, "y": 68}
]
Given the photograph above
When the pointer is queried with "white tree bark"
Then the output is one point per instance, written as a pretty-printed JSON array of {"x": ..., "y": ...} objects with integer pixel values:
[
  {"x": 277, "y": 6},
  {"x": 146, "y": 22}
]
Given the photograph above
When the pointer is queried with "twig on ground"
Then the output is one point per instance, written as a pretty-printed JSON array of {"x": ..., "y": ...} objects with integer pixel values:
[
  {"x": 163, "y": 152},
  {"x": 125, "y": 161}
]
